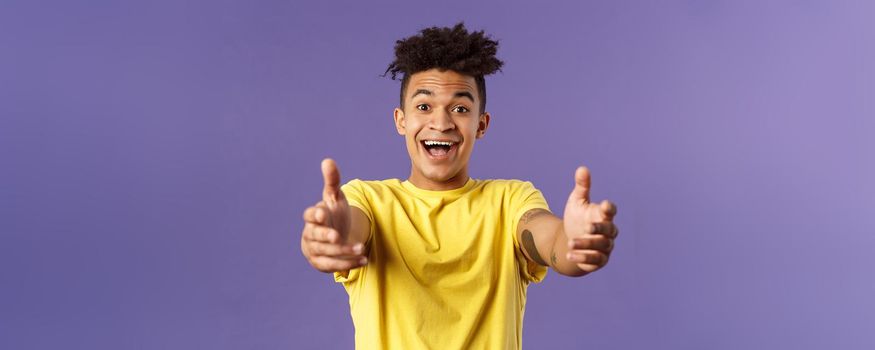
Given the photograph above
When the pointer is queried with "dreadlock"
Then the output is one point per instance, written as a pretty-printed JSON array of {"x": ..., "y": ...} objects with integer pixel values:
[{"x": 446, "y": 48}]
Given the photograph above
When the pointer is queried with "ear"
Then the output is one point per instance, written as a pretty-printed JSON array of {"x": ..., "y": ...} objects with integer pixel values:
[
  {"x": 400, "y": 122},
  {"x": 482, "y": 125}
]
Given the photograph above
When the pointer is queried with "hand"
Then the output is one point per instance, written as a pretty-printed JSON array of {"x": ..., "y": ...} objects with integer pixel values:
[
  {"x": 327, "y": 226},
  {"x": 589, "y": 227}
]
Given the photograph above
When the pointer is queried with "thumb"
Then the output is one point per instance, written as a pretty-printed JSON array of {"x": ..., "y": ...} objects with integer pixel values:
[
  {"x": 581, "y": 184},
  {"x": 331, "y": 176}
]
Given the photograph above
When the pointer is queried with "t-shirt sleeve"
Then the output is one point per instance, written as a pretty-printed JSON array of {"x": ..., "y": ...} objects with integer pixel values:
[
  {"x": 354, "y": 192},
  {"x": 526, "y": 197}
]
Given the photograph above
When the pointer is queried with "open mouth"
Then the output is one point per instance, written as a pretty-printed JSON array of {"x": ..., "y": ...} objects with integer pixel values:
[{"x": 438, "y": 149}]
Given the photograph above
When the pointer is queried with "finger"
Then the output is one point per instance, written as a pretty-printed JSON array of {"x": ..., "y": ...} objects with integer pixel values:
[
  {"x": 331, "y": 176},
  {"x": 307, "y": 233},
  {"x": 326, "y": 234},
  {"x": 587, "y": 268},
  {"x": 609, "y": 209},
  {"x": 322, "y": 214},
  {"x": 588, "y": 257},
  {"x": 599, "y": 228},
  {"x": 319, "y": 233},
  {"x": 607, "y": 229},
  {"x": 317, "y": 214},
  {"x": 329, "y": 264},
  {"x": 602, "y": 244},
  {"x": 311, "y": 216},
  {"x": 346, "y": 251},
  {"x": 581, "y": 184}
]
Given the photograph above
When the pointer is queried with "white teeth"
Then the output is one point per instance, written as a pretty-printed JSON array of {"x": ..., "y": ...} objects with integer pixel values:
[{"x": 438, "y": 143}]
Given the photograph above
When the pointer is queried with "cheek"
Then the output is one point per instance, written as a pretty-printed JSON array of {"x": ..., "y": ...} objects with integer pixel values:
[
  {"x": 469, "y": 130},
  {"x": 469, "y": 125},
  {"x": 412, "y": 126},
  {"x": 412, "y": 145}
]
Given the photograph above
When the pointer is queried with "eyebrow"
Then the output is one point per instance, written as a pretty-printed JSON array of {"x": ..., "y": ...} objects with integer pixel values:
[
  {"x": 464, "y": 94},
  {"x": 457, "y": 94}
]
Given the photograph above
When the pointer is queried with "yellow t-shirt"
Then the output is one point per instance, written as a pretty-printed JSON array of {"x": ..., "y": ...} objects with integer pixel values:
[{"x": 445, "y": 270}]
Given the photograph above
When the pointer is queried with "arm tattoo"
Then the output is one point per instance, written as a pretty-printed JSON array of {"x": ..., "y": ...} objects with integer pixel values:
[
  {"x": 529, "y": 244},
  {"x": 553, "y": 257},
  {"x": 531, "y": 214}
]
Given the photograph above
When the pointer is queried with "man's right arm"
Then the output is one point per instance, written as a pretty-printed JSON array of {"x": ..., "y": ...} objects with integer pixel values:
[
  {"x": 359, "y": 229},
  {"x": 334, "y": 234}
]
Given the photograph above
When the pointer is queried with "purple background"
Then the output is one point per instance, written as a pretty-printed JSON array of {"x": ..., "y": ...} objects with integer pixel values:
[{"x": 156, "y": 159}]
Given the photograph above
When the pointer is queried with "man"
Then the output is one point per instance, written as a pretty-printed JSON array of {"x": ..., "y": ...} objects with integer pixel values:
[{"x": 441, "y": 260}]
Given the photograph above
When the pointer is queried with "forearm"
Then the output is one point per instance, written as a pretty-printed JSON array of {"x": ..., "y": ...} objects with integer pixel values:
[
  {"x": 590, "y": 226},
  {"x": 559, "y": 255},
  {"x": 360, "y": 227},
  {"x": 544, "y": 242}
]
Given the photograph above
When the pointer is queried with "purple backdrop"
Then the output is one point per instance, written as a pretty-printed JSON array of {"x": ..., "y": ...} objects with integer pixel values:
[{"x": 156, "y": 159}]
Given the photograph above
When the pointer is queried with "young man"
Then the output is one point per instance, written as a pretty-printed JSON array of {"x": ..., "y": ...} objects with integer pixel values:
[{"x": 441, "y": 260}]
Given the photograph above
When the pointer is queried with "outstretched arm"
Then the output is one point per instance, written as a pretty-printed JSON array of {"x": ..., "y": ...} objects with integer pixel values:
[
  {"x": 334, "y": 234},
  {"x": 577, "y": 244}
]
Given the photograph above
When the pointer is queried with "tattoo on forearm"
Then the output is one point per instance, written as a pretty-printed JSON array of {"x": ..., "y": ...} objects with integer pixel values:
[
  {"x": 553, "y": 257},
  {"x": 529, "y": 245},
  {"x": 531, "y": 214}
]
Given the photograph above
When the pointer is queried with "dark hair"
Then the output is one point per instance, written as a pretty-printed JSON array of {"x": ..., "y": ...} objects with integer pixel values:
[{"x": 446, "y": 49}]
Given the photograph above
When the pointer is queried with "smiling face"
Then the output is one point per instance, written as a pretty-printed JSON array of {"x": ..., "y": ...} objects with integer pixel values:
[{"x": 439, "y": 122}]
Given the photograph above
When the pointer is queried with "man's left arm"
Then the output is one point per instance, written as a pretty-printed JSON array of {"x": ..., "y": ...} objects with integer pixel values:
[{"x": 577, "y": 244}]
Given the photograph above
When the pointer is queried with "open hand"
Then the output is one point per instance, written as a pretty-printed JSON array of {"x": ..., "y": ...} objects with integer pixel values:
[
  {"x": 327, "y": 226},
  {"x": 589, "y": 227}
]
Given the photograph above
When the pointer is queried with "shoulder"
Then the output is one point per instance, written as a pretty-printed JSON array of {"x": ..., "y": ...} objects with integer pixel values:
[
  {"x": 508, "y": 185},
  {"x": 365, "y": 194},
  {"x": 519, "y": 195}
]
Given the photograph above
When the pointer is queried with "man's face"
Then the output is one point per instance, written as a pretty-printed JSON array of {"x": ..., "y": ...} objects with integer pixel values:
[{"x": 440, "y": 121}]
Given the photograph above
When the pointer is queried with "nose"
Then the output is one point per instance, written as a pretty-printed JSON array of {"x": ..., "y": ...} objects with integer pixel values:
[{"x": 441, "y": 121}]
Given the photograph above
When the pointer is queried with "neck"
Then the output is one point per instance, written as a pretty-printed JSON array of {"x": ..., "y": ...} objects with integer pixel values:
[{"x": 420, "y": 181}]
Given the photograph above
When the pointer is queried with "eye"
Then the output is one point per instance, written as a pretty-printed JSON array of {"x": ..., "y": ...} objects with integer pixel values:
[
  {"x": 460, "y": 109},
  {"x": 422, "y": 107}
]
